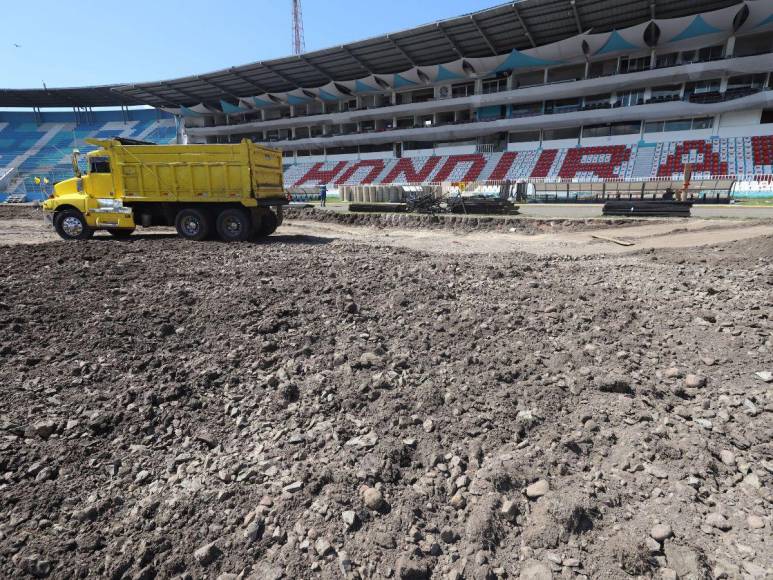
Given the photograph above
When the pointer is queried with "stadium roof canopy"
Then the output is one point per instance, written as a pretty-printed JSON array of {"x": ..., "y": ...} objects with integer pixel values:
[{"x": 516, "y": 25}]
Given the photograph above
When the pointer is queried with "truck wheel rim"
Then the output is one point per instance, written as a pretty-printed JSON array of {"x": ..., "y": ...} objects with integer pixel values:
[
  {"x": 191, "y": 226},
  {"x": 232, "y": 226},
  {"x": 72, "y": 226}
]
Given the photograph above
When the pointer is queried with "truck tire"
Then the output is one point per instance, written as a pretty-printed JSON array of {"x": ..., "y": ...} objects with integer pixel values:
[
  {"x": 192, "y": 224},
  {"x": 233, "y": 225},
  {"x": 71, "y": 225},
  {"x": 121, "y": 233},
  {"x": 268, "y": 224}
]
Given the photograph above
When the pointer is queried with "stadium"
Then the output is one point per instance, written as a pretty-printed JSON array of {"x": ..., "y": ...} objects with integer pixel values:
[
  {"x": 524, "y": 91},
  {"x": 528, "y": 336}
]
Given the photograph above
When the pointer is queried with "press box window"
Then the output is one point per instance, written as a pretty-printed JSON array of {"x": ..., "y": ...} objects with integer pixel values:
[
  {"x": 703, "y": 123},
  {"x": 99, "y": 165}
]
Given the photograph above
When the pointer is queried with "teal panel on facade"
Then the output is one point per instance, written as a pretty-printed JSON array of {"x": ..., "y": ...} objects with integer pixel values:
[
  {"x": 516, "y": 59},
  {"x": 766, "y": 22},
  {"x": 443, "y": 74},
  {"x": 293, "y": 100},
  {"x": 615, "y": 43},
  {"x": 489, "y": 112},
  {"x": 400, "y": 81},
  {"x": 325, "y": 96},
  {"x": 227, "y": 107},
  {"x": 698, "y": 27},
  {"x": 361, "y": 87},
  {"x": 186, "y": 112}
]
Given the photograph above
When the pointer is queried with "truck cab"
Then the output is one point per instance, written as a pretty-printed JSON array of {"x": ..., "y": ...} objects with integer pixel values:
[{"x": 88, "y": 202}]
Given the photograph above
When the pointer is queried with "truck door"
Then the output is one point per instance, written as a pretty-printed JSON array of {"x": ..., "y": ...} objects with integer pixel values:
[{"x": 99, "y": 182}]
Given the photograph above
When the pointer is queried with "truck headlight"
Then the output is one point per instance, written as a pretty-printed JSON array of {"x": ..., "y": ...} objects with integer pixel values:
[{"x": 109, "y": 203}]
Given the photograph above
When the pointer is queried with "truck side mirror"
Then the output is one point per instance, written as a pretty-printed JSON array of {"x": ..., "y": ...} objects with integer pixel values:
[{"x": 75, "y": 168}]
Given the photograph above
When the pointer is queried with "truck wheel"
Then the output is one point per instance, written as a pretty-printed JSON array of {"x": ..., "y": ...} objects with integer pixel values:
[
  {"x": 192, "y": 224},
  {"x": 71, "y": 225},
  {"x": 233, "y": 225},
  {"x": 121, "y": 233},
  {"x": 268, "y": 224}
]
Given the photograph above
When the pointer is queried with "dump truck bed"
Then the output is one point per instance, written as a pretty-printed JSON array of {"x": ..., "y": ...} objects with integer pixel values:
[{"x": 196, "y": 173}]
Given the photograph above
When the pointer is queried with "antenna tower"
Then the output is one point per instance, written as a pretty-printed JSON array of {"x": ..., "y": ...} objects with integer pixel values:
[{"x": 299, "y": 44}]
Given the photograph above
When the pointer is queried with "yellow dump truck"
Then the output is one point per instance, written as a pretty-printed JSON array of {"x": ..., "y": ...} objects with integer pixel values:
[{"x": 234, "y": 191}]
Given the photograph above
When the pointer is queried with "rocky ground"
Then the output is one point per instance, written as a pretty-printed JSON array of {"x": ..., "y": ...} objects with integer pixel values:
[
  {"x": 306, "y": 408},
  {"x": 27, "y": 211}
]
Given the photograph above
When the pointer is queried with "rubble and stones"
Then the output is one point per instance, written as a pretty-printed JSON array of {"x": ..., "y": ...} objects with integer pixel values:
[{"x": 301, "y": 408}]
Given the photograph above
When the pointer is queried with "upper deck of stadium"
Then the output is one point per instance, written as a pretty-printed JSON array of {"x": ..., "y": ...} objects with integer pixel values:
[{"x": 529, "y": 31}]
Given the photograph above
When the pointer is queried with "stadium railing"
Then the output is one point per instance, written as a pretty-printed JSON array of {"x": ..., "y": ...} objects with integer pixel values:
[{"x": 715, "y": 189}]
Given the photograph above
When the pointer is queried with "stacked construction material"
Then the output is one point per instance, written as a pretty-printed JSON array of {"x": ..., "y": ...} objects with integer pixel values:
[
  {"x": 425, "y": 202},
  {"x": 647, "y": 208},
  {"x": 482, "y": 205},
  {"x": 378, "y": 207}
]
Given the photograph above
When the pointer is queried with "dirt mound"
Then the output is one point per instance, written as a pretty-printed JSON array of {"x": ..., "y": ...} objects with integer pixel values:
[
  {"x": 12, "y": 211},
  {"x": 726, "y": 255},
  {"x": 458, "y": 222},
  {"x": 298, "y": 409}
]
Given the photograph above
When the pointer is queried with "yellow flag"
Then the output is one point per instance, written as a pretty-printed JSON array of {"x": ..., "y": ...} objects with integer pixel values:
[{"x": 37, "y": 181}]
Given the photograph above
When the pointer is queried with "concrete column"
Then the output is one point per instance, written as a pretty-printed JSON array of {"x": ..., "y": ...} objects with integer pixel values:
[{"x": 730, "y": 46}]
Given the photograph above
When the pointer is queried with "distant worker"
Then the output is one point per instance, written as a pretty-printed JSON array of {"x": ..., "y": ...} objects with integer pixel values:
[
  {"x": 669, "y": 194},
  {"x": 322, "y": 195}
]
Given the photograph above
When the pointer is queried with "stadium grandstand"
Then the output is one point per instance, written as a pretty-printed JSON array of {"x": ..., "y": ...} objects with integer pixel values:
[
  {"x": 36, "y": 147},
  {"x": 572, "y": 91}
]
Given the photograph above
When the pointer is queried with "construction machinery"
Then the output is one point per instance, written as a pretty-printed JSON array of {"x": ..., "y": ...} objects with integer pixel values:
[{"x": 234, "y": 191}]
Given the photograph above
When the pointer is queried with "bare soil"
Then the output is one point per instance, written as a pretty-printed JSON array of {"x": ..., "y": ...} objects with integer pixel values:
[{"x": 330, "y": 405}]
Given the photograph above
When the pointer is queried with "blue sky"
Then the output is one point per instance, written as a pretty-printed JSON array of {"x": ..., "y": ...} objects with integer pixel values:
[{"x": 90, "y": 42}]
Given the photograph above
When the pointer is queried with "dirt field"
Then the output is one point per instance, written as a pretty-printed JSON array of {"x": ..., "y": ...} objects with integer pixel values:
[{"x": 344, "y": 401}]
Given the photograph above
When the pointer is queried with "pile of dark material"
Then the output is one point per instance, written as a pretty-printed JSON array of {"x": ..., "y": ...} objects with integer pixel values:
[
  {"x": 425, "y": 202},
  {"x": 301, "y": 409},
  {"x": 482, "y": 205},
  {"x": 364, "y": 207},
  {"x": 647, "y": 208}
]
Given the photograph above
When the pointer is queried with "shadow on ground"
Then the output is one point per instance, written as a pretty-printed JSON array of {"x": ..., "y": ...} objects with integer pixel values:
[{"x": 292, "y": 239}]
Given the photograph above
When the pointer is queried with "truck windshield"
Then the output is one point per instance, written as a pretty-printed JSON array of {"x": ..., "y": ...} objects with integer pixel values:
[{"x": 99, "y": 165}]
